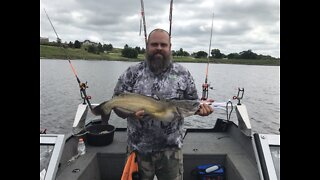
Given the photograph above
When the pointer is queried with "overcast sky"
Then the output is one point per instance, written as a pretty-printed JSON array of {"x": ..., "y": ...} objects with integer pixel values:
[{"x": 238, "y": 25}]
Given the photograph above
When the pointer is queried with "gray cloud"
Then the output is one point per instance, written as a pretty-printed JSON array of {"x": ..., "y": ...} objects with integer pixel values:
[{"x": 238, "y": 25}]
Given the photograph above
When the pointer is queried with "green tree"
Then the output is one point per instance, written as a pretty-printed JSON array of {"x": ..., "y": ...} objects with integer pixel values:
[
  {"x": 215, "y": 53},
  {"x": 173, "y": 52},
  {"x": 107, "y": 47},
  {"x": 92, "y": 49},
  {"x": 248, "y": 55},
  {"x": 233, "y": 56},
  {"x": 180, "y": 52},
  {"x": 77, "y": 44},
  {"x": 138, "y": 49},
  {"x": 185, "y": 53},
  {"x": 129, "y": 52},
  {"x": 70, "y": 45},
  {"x": 99, "y": 48},
  {"x": 143, "y": 50},
  {"x": 201, "y": 54}
]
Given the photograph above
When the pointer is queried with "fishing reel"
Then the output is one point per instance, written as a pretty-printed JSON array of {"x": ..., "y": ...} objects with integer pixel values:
[
  {"x": 205, "y": 90},
  {"x": 83, "y": 87}
]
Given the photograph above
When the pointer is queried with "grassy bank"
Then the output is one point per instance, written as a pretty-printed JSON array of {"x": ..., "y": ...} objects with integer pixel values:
[{"x": 52, "y": 52}]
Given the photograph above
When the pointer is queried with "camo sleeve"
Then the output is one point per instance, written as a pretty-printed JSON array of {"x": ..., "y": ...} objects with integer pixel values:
[
  {"x": 184, "y": 84},
  {"x": 125, "y": 83},
  {"x": 127, "y": 80},
  {"x": 191, "y": 90}
]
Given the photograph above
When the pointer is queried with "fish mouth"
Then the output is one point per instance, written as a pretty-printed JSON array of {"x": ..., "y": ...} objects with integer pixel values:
[
  {"x": 185, "y": 112},
  {"x": 189, "y": 110}
]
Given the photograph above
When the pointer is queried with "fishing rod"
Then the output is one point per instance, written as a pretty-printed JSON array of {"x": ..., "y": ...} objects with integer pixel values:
[
  {"x": 205, "y": 85},
  {"x": 170, "y": 19},
  {"x": 82, "y": 85},
  {"x": 144, "y": 22}
]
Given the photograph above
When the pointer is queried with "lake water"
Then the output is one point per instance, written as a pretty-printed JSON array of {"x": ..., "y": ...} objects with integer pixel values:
[{"x": 60, "y": 94}]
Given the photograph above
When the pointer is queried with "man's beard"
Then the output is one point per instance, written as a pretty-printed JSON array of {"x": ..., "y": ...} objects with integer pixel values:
[{"x": 158, "y": 62}]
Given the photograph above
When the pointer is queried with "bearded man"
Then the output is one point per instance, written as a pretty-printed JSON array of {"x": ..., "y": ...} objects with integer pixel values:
[{"x": 158, "y": 144}]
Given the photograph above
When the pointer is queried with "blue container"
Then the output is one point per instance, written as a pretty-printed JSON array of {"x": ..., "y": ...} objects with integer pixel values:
[{"x": 201, "y": 173}]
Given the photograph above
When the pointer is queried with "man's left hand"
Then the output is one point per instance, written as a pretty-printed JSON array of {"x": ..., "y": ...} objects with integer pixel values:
[{"x": 205, "y": 109}]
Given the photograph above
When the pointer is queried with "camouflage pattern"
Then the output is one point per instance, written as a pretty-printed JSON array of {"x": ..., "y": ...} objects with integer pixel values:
[
  {"x": 157, "y": 143},
  {"x": 148, "y": 135},
  {"x": 166, "y": 165}
]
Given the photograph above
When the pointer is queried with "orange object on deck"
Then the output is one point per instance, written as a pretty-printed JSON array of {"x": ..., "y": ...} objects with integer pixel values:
[{"x": 130, "y": 167}]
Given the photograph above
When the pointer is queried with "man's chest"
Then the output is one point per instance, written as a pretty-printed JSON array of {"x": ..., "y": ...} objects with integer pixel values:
[{"x": 168, "y": 87}]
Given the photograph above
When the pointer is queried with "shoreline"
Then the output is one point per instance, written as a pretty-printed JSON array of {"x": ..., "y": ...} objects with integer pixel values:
[
  {"x": 253, "y": 62},
  {"x": 50, "y": 52}
]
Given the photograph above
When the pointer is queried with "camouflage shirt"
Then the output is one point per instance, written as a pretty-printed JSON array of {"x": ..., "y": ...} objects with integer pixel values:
[{"x": 148, "y": 135}]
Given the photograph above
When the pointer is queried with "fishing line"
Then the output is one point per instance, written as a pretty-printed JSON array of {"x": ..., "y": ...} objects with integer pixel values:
[{"x": 82, "y": 86}]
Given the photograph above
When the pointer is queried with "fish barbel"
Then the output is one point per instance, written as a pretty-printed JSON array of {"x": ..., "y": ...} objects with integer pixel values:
[{"x": 163, "y": 110}]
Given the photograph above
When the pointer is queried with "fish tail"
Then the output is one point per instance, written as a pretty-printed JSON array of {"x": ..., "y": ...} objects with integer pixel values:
[
  {"x": 104, "y": 110},
  {"x": 105, "y": 117}
]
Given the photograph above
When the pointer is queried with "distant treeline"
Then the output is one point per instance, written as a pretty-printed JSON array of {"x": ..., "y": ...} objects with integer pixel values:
[{"x": 129, "y": 52}]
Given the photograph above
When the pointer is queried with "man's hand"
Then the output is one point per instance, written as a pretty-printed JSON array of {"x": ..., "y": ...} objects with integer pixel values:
[
  {"x": 205, "y": 108},
  {"x": 124, "y": 114},
  {"x": 139, "y": 114}
]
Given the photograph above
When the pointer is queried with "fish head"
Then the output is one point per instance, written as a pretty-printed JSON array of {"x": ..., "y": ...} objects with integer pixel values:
[{"x": 186, "y": 107}]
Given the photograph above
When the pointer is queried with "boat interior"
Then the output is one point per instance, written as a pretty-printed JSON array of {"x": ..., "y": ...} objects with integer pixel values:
[{"x": 231, "y": 146}]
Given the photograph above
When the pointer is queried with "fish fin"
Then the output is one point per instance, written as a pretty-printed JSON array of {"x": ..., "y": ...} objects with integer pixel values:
[
  {"x": 122, "y": 93},
  {"x": 122, "y": 110},
  {"x": 125, "y": 93},
  {"x": 105, "y": 118}
]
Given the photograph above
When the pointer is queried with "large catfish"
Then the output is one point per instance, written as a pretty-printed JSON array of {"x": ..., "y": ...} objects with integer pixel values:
[{"x": 162, "y": 110}]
